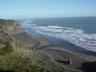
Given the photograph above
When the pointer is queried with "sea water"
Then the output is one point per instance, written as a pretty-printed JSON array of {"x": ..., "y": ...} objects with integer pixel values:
[{"x": 80, "y": 31}]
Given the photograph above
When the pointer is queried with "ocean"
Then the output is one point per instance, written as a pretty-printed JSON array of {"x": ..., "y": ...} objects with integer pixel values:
[{"x": 72, "y": 33}]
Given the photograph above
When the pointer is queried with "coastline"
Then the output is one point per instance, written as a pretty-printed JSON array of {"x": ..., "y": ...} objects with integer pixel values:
[
  {"x": 63, "y": 44},
  {"x": 78, "y": 45},
  {"x": 50, "y": 41},
  {"x": 50, "y": 56}
]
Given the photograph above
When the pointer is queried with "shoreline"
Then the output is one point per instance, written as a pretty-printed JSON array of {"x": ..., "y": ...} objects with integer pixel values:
[
  {"x": 70, "y": 46},
  {"x": 63, "y": 44},
  {"x": 56, "y": 42},
  {"x": 60, "y": 42}
]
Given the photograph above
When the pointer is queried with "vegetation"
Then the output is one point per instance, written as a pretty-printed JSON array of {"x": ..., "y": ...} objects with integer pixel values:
[
  {"x": 11, "y": 60},
  {"x": 7, "y": 25},
  {"x": 16, "y": 63},
  {"x": 6, "y": 48}
]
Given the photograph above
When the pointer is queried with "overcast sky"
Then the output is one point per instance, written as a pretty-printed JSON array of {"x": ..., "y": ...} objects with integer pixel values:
[{"x": 46, "y": 8}]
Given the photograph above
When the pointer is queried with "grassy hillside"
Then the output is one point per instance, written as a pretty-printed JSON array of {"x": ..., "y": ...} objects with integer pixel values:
[{"x": 11, "y": 60}]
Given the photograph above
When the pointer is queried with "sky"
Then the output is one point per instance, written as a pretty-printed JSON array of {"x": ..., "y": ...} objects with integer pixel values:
[{"x": 46, "y": 8}]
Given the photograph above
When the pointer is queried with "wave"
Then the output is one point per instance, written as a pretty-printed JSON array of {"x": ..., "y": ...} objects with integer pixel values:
[{"x": 75, "y": 36}]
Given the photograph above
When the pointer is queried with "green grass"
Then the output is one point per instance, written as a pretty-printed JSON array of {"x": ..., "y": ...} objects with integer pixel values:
[
  {"x": 11, "y": 61},
  {"x": 16, "y": 63},
  {"x": 6, "y": 48}
]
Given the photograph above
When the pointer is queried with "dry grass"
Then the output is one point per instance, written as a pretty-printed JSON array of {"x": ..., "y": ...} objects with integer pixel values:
[
  {"x": 13, "y": 58},
  {"x": 17, "y": 63}
]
